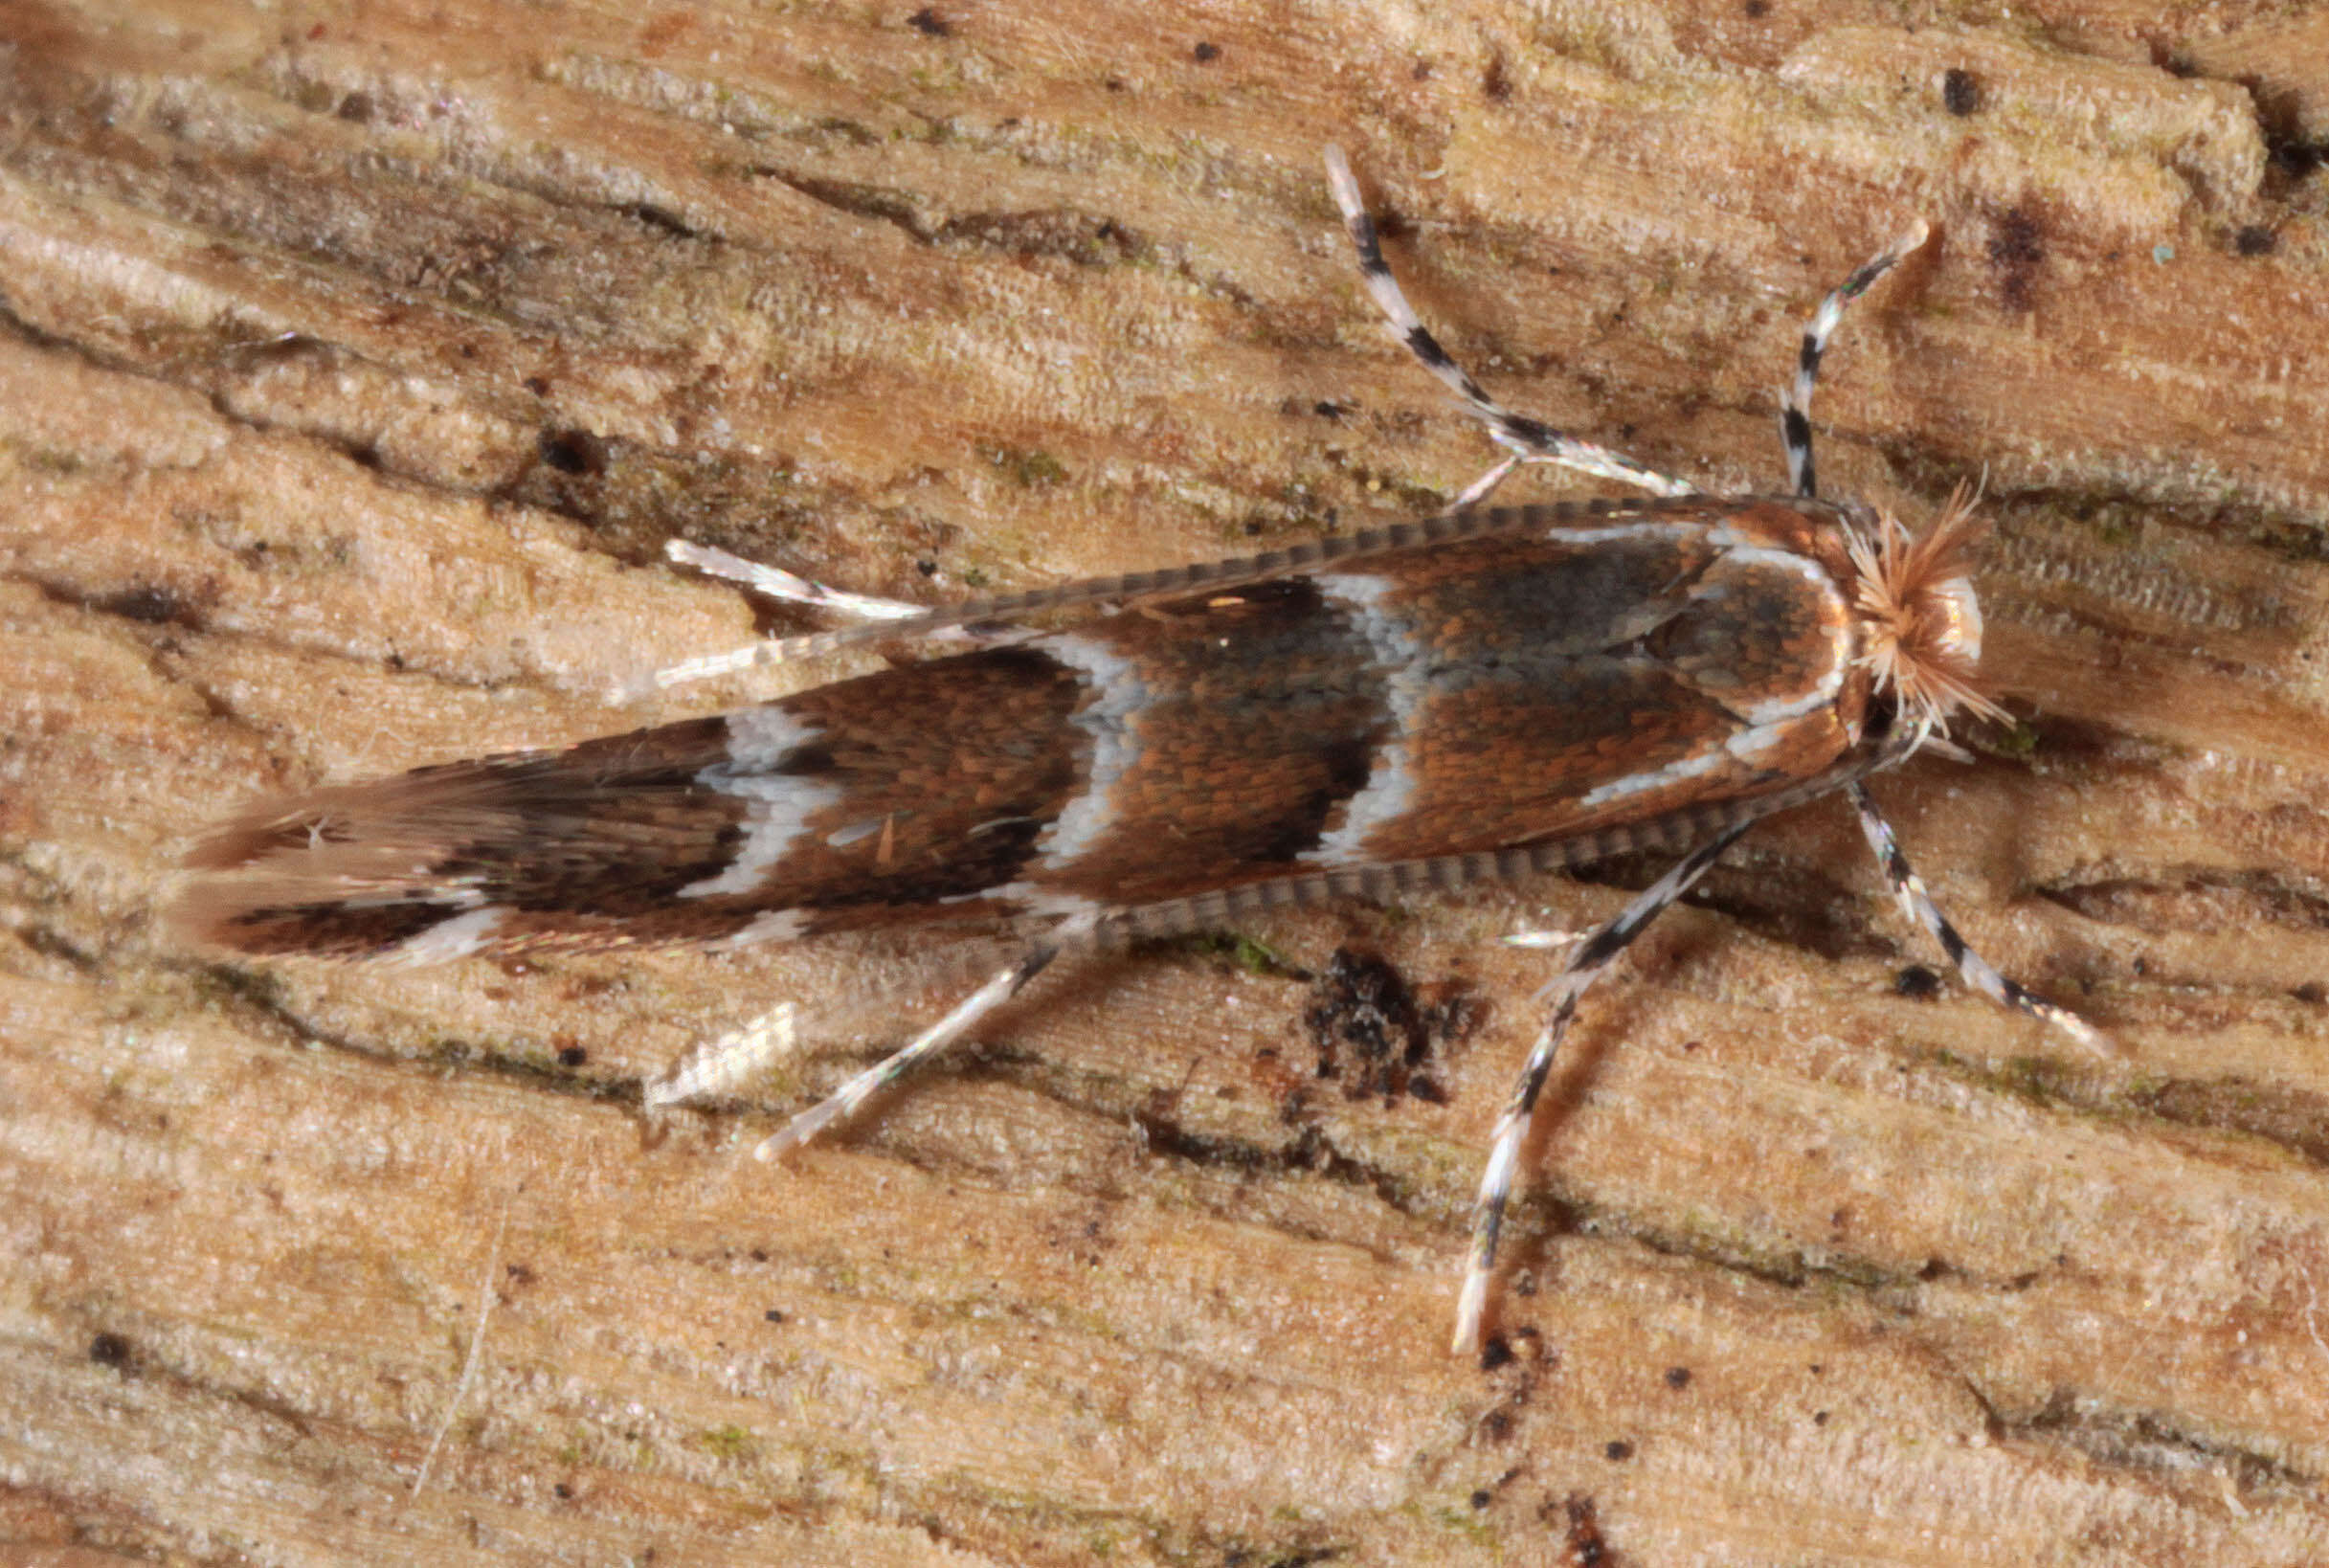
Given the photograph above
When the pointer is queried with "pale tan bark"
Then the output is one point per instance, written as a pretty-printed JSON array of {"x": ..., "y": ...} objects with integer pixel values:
[{"x": 361, "y": 357}]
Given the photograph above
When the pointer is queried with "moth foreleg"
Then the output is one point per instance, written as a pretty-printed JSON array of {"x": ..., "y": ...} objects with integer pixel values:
[
  {"x": 1976, "y": 971},
  {"x": 1795, "y": 404}
]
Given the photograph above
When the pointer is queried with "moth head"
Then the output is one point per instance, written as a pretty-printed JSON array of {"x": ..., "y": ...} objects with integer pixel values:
[{"x": 1919, "y": 615}]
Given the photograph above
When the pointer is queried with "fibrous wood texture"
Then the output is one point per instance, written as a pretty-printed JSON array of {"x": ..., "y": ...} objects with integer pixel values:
[{"x": 357, "y": 360}]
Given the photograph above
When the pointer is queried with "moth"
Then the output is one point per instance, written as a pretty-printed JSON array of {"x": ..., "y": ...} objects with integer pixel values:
[{"x": 1491, "y": 691}]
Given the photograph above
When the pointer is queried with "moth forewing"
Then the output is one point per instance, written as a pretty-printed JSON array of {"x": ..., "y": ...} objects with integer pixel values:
[{"x": 1537, "y": 674}]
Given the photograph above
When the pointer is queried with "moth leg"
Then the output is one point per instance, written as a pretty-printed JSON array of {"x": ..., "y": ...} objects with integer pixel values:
[
  {"x": 1795, "y": 403},
  {"x": 1526, "y": 439},
  {"x": 851, "y": 1097},
  {"x": 1971, "y": 966},
  {"x": 776, "y": 583},
  {"x": 1585, "y": 965},
  {"x": 723, "y": 1066}
]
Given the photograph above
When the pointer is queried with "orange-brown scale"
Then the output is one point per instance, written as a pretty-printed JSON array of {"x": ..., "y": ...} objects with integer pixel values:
[
  {"x": 1257, "y": 713},
  {"x": 1594, "y": 662}
]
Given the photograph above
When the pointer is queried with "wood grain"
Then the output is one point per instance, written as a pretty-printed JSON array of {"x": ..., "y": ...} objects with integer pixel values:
[{"x": 359, "y": 358}]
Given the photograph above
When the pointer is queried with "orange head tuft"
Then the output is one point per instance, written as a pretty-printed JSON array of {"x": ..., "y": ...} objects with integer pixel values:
[{"x": 1922, "y": 621}]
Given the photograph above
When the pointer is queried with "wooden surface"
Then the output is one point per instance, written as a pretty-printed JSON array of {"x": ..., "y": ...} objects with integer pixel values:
[{"x": 359, "y": 358}]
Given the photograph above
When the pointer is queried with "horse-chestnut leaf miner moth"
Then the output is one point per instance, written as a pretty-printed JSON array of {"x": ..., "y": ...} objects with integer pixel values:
[{"x": 1486, "y": 692}]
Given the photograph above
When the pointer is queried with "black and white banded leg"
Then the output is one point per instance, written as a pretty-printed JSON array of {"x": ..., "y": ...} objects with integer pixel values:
[
  {"x": 851, "y": 1097},
  {"x": 1795, "y": 404},
  {"x": 1593, "y": 955},
  {"x": 1976, "y": 971},
  {"x": 1907, "y": 886},
  {"x": 1525, "y": 439}
]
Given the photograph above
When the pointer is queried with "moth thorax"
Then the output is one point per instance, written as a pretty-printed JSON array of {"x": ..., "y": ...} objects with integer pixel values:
[{"x": 1920, "y": 618}]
